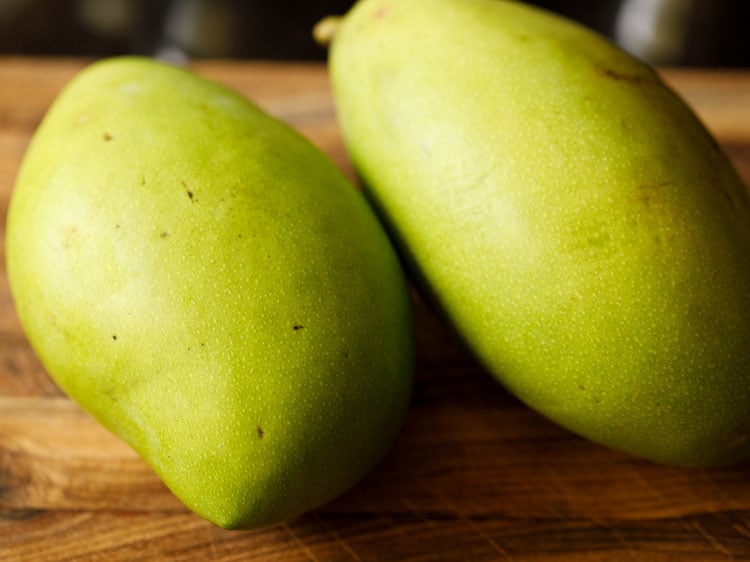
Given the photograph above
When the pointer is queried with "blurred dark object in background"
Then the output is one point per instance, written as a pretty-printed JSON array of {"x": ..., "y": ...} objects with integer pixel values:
[
  {"x": 193, "y": 28},
  {"x": 685, "y": 32},
  {"x": 664, "y": 32}
]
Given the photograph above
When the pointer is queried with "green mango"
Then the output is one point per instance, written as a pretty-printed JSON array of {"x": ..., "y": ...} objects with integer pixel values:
[
  {"x": 210, "y": 287},
  {"x": 565, "y": 210}
]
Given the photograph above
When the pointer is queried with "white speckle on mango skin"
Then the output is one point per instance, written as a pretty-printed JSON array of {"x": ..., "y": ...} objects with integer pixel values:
[
  {"x": 131, "y": 88},
  {"x": 161, "y": 254}
]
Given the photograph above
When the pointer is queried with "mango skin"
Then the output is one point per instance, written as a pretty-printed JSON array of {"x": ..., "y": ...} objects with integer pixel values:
[
  {"x": 211, "y": 288},
  {"x": 566, "y": 212}
]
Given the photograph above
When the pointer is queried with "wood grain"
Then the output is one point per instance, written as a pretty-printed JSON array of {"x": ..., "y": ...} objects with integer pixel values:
[{"x": 474, "y": 475}]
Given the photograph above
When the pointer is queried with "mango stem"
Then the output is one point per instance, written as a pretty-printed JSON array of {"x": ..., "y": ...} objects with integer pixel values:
[{"x": 325, "y": 30}]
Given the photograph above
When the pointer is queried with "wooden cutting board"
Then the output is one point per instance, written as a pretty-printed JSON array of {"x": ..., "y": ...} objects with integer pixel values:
[{"x": 475, "y": 475}]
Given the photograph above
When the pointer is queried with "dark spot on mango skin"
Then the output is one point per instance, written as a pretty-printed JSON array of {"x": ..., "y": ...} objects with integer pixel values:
[
  {"x": 107, "y": 137},
  {"x": 594, "y": 399},
  {"x": 654, "y": 185},
  {"x": 188, "y": 190},
  {"x": 71, "y": 237},
  {"x": 261, "y": 433},
  {"x": 618, "y": 76},
  {"x": 297, "y": 327},
  {"x": 729, "y": 200},
  {"x": 647, "y": 192}
]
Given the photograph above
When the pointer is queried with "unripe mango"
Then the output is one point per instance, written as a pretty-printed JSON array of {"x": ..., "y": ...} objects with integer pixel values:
[
  {"x": 210, "y": 287},
  {"x": 565, "y": 210}
]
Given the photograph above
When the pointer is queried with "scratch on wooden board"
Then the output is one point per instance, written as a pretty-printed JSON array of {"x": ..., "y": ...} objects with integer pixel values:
[
  {"x": 714, "y": 496},
  {"x": 566, "y": 496},
  {"x": 558, "y": 484},
  {"x": 710, "y": 538},
  {"x": 648, "y": 486},
  {"x": 469, "y": 522},
  {"x": 339, "y": 540},
  {"x": 388, "y": 516},
  {"x": 416, "y": 511},
  {"x": 741, "y": 529},
  {"x": 619, "y": 537},
  {"x": 369, "y": 506},
  {"x": 309, "y": 553},
  {"x": 211, "y": 543}
]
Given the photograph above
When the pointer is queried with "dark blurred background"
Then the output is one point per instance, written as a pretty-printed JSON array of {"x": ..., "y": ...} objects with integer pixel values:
[{"x": 665, "y": 32}]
